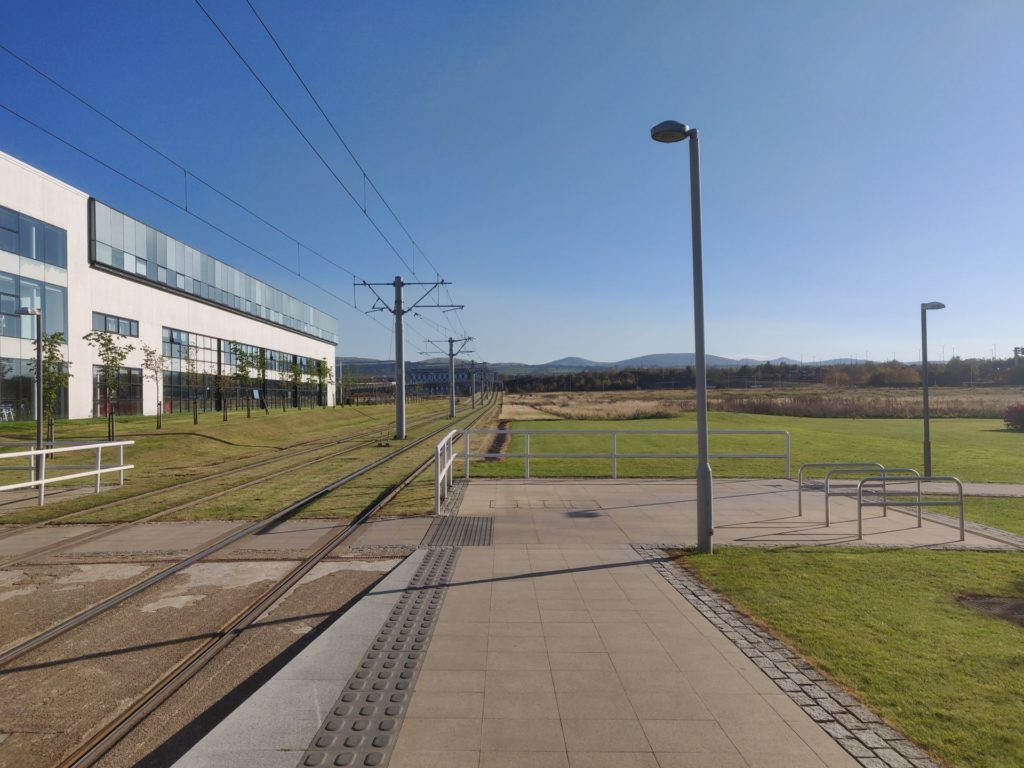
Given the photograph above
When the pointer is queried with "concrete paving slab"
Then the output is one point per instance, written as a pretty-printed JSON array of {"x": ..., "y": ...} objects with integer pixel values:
[{"x": 33, "y": 538}]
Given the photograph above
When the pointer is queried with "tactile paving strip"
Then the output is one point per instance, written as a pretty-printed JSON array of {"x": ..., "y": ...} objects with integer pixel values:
[
  {"x": 363, "y": 725},
  {"x": 460, "y": 532}
]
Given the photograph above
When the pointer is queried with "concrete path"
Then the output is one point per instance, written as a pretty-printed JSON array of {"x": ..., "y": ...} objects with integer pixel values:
[
  {"x": 582, "y": 655},
  {"x": 559, "y": 644}
]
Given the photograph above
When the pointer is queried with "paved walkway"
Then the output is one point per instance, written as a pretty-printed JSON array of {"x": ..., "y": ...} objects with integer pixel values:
[{"x": 561, "y": 644}]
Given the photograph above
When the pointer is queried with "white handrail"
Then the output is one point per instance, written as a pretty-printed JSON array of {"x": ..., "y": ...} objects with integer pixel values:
[
  {"x": 38, "y": 459},
  {"x": 444, "y": 458}
]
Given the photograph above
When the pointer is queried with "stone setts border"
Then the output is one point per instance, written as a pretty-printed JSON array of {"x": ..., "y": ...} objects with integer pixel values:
[{"x": 852, "y": 725}]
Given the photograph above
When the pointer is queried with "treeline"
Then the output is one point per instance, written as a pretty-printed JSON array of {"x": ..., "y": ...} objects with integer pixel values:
[{"x": 953, "y": 373}]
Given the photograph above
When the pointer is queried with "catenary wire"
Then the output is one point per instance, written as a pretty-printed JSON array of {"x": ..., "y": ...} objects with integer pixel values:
[{"x": 302, "y": 133}]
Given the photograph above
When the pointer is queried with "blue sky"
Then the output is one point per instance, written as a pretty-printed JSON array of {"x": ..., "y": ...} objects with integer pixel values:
[{"x": 857, "y": 159}]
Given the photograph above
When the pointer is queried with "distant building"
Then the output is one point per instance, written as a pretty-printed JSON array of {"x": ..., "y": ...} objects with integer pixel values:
[{"x": 90, "y": 267}]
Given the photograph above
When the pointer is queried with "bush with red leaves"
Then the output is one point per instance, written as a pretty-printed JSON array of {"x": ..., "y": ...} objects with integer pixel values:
[{"x": 1014, "y": 417}]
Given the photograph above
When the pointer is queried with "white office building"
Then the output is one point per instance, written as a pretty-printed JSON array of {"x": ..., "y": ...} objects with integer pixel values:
[{"x": 90, "y": 267}]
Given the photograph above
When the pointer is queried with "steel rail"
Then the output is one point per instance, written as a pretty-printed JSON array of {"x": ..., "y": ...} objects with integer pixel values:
[
  {"x": 322, "y": 444},
  {"x": 104, "y": 739},
  {"x": 218, "y": 544},
  {"x": 108, "y": 530}
]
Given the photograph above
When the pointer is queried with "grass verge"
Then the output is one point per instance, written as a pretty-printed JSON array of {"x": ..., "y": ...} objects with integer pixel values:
[{"x": 887, "y": 625}]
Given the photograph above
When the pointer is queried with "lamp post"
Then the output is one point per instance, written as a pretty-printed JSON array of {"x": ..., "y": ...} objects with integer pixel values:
[
  {"x": 924, "y": 373},
  {"x": 669, "y": 132},
  {"x": 39, "y": 380}
]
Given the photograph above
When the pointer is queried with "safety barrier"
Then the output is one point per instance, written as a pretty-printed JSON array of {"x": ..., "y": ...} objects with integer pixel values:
[
  {"x": 37, "y": 466},
  {"x": 614, "y": 455},
  {"x": 827, "y": 465},
  {"x": 867, "y": 481},
  {"x": 444, "y": 459},
  {"x": 890, "y": 472}
]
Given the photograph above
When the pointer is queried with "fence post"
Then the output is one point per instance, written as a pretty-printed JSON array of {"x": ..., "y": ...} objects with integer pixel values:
[
  {"x": 437, "y": 480},
  {"x": 789, "y": 475},
  {"x": 120, "y": 463},
  {"x": 99, "y": 466},
  {"x": 526, "y": 464},
  {"x": 41, "y": 458},
  {"x": 615, "y": 456},
  {"x": 465, "y": 446}
]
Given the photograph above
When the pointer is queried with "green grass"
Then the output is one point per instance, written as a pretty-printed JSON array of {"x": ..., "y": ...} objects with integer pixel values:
[
  {"x": 886, "y": 625},
  {"x": 977, "y": 450},
  {"x": 1006, "y": 514},
  {"x": 182, "y": 451}
]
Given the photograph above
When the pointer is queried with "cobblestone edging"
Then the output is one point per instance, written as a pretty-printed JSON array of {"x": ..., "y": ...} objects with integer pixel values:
[
  {"x": 852, "y": 725},
  {"x": 453, "y": 502}
]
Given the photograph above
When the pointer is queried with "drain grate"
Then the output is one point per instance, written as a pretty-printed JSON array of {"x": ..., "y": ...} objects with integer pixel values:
[
  {"x": 460, "y": 532},
  {"x": 362, "y": 727}
]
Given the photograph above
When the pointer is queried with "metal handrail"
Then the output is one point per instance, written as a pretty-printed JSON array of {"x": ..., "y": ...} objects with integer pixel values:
[
  {"x": 800, "y": 479},
  {"x": 38, "y": 458},
  {"x": 614, "y": 455},
  {"x": 897, "y": 471},
  {"x": 919, "y": 503},
  {"x": 444, "y": 458}
]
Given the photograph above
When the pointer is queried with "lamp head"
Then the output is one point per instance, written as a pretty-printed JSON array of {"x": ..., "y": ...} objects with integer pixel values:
[
  {"x": 670, "y": 131},
  {"x": 933, "y": 305}
]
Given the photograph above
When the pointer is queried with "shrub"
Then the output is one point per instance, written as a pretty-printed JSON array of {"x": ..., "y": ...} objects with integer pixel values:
[{"x": 1014, "y": 417}]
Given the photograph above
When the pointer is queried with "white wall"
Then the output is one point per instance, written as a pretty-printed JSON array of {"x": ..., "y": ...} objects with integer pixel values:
[{"x": 29, "y": 191}]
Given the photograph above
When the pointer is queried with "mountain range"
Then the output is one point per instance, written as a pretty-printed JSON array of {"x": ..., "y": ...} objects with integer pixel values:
[{"x": 370, "y": 367}]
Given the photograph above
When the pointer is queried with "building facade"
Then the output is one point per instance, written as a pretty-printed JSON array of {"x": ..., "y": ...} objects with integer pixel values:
[{"x": 88, "y": 266}]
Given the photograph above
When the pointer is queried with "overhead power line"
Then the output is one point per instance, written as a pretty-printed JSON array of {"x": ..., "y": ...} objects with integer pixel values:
[
  {"x": 337, "y": 134},
  {"x": 305, "y": 138}
]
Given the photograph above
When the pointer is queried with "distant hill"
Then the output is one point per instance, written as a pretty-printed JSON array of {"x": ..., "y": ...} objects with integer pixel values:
[{"x": 361, "y": 366}]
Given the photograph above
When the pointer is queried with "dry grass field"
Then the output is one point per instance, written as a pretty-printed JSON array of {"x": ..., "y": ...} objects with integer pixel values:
[{"x": 812, "y": 401}]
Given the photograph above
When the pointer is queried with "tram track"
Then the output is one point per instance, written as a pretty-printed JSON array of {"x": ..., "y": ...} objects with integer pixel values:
[
  {"x": 109, "y": 529},
  {"x": 19, "y": 649},
  {"x": 368, "y": 435},
  {"x": 103, "y": 739}
]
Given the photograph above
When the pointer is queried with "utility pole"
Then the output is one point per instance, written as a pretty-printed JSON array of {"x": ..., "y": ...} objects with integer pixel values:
[
  {"x": 472, "y": 384},
  {"x": 452, "y": 352},
  {"x": 399, "y": 310}
]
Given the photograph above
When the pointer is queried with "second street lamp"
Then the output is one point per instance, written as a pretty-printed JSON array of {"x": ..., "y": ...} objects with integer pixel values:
[
  {"x": 669, "y": 132},
  {"x": 924, "y": 375}
]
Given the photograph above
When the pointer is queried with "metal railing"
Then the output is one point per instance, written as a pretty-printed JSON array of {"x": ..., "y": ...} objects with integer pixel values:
[
  {"x": 827, "y": 465},
  {"x": 444, "y": 460},
  {"x": 904, "y": 503},
  {"x": 614, "y": 455},
  {"x": 38, "y": 462},
  {"x": 892, "y": 472}
]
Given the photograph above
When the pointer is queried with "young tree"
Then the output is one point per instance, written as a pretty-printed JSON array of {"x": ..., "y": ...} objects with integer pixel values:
[
  {"x": 295, "y": 377},
  {"x": 56, "y": 374},
  {"x": 261, "y": 364},
  {"x": 312, "y": 378},
  {"x": 112, "y": 354},
  {"x": 224, "y": 382},
  {"x": 194, "y": 379},
  {"x": 154, "y": 364},
  {"x": 243, "y": 374},
  {"x": 320, "y": 371}
]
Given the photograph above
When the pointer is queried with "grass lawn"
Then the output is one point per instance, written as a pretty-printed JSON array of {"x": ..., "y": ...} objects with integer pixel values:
[
  {"x": 978, "y": 450},
  {"x": 182, "y": 451},
  {"x": 887, "y": 625},
  {"x": 1006, "y": 514}
]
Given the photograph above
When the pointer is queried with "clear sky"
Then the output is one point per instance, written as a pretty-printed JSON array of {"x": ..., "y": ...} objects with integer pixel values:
[{"x": 858, "y": 158}]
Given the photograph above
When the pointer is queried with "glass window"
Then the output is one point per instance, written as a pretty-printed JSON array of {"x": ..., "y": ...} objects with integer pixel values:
[
  {"x": 54, "y": 313},
  {"x": 134, "y": 329},
  {"x": 31, "y": 238},
  {"x": 116, "y": 230},
  {"x": 99, "y": 322},
  {"x": 111, "y": 324},
  {"x": 102, "y": 223},
  {"x": 124, "y": 327}
]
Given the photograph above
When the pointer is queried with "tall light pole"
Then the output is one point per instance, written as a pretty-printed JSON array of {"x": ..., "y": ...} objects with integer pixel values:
[
  {"x": 670, "y": 132},
  {"x": 924, "y": 374},
  {"x": 39, "y": 381}
]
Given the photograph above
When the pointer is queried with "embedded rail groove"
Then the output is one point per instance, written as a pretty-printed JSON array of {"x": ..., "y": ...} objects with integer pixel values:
[{"x": 112, "y": 732}]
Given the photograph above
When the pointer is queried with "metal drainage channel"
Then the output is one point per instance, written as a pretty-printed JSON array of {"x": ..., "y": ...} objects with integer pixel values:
[{"x": 363, "y": 725}]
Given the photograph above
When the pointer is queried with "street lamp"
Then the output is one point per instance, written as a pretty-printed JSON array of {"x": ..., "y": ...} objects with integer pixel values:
[
  {"x": 670, "y": 132},
  {"x": 39, "y": 380},
  {"x": 924, "y": 372}
]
